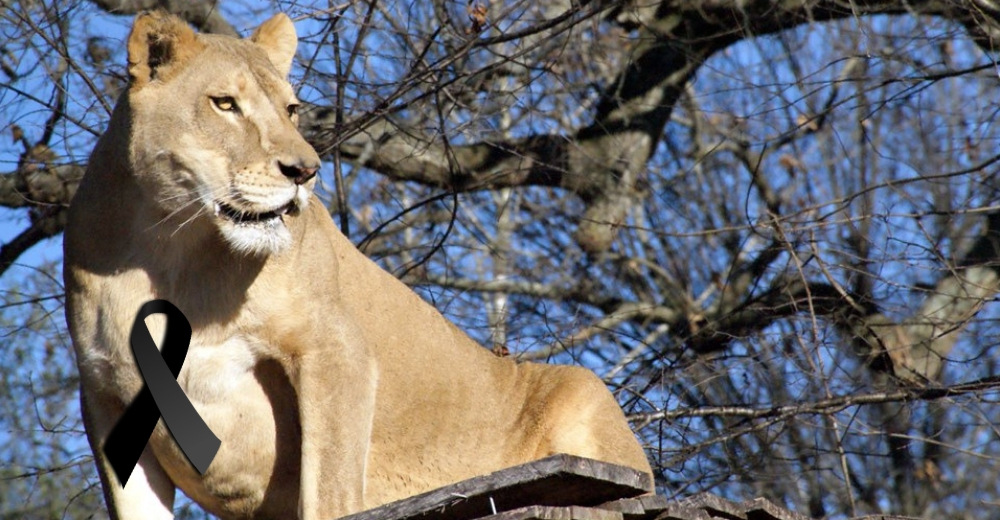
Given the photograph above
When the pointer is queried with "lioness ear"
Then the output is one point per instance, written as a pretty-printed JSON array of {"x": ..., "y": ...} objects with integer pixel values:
[
  {"x": 159, "y": 42},
  {"x": 278, "y": 38}
]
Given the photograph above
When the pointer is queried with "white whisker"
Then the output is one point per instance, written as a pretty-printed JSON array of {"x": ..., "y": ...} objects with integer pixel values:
[
  {"x": 172, "y": 214},
  {"x": 189, "y": 220},
  {"x": 178, "y": 196}
]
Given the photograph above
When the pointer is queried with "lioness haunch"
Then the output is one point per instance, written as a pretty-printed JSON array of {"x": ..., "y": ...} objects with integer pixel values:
[{"x": 333, "y": 387}]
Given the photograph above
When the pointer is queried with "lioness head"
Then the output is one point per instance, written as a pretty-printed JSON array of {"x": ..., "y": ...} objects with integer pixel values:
[{"x": 214, "y": 129}]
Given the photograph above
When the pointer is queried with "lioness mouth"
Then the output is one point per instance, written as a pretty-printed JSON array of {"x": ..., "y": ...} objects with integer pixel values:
[{"x": 238, "y": 216}]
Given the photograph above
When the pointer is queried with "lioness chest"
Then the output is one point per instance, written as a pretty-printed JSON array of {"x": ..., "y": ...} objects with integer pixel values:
[{"x": 248, "y": 403}]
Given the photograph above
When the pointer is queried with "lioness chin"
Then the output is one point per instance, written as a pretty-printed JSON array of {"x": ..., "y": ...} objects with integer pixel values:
[{"x": 333, "y": 387}]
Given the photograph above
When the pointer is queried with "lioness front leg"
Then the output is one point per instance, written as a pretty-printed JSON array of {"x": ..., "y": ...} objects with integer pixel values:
[
  {"x": 149, "y": 492},
  {"x": 335, "y": 385}
]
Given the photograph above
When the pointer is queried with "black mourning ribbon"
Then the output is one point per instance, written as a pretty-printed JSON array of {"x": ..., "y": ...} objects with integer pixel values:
[{"x": 160, "y": 396}]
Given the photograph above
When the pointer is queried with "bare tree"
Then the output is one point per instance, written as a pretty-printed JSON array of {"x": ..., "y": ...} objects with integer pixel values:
[{"x": 772, "y": 227}]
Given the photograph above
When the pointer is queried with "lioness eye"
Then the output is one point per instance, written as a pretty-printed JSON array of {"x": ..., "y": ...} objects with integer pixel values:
[
  {"x": 226, "y": 104},
  {"x": 293, "y": 110}
]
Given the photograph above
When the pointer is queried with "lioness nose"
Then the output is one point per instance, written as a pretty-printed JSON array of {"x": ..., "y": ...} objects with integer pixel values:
[{"x": 298, "y": 173}]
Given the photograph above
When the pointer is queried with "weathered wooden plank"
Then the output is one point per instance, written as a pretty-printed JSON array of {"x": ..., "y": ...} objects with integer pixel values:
[
  {"x": 629, "y": 507},
  {"x": 716, "y": 507},
  {"x": 763, "y": 509},
  {"x": 653, "y": 504},
  {"x": 703, "y": 506},
  {"x": 560, "y": 480},
  {"x": 556, "y": 513},
  {"x": 646, "y": 507}
]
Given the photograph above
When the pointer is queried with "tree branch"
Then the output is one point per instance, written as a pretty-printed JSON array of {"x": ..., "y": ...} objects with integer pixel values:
[
  {"x": 38, "y": 184},
  {"x": 825, "y": 406},
  {"x": 602, "y": 161},
  {"x": 42, "y": 226},
  {"x": 918, "y": 345}
]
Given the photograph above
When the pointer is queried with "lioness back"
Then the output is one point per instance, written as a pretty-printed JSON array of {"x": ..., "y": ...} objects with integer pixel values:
[{"x": 453, "y": 408}]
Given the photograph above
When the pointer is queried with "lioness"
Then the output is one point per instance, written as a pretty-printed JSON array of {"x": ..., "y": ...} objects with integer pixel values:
[{"x": 333, "y": 387}]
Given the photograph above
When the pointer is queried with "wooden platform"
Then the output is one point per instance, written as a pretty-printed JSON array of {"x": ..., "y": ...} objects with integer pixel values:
[
  {"x": 542, "y": 486},
  {"x": 564, "y": 487}
]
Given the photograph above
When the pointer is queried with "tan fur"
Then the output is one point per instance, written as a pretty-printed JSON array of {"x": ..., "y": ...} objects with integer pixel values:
[{"x": 333, "y": 387}]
